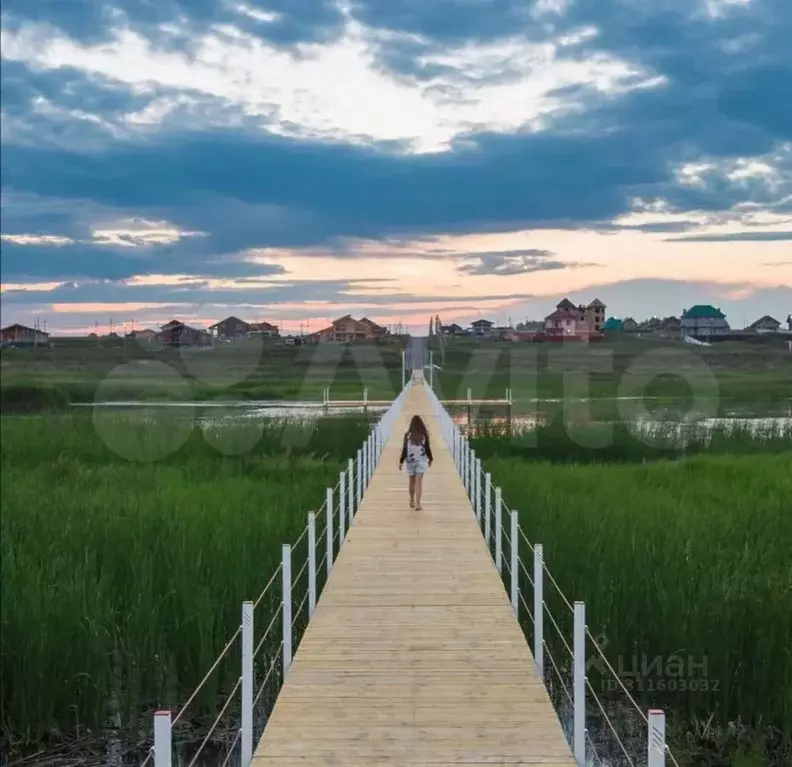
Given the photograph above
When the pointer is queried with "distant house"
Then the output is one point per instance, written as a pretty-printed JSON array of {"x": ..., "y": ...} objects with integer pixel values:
[
  {"x": 21, "y": 335},
  {"x": 145, "y": 335},
  {"x": 177, "y": 333},
  {"x": 265, "y": 329},
  {"x": 231, "y": 328},
  {"x": 703, "y": 320},
  {"x": 377, "y": 330},
  {"x": 481, "y": 328},
  {"x": 347, "y": 329},
  {"x": 766, "y": 324},
  {"x": 452, "y": 330},
  {"x": 595, "y": 315},
  {"x": 571, "y": 320},
  {"x": 630, "y": 325},
  {"x": 612, "y": 325}
]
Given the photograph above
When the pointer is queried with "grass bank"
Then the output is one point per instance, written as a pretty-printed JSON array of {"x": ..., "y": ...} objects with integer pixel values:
[
  {"x": 49, "y": 378},
  {"x": 686, "y": 559},
  {"x": 669, "y": 375},
  {"x": 123, "y": 579}
]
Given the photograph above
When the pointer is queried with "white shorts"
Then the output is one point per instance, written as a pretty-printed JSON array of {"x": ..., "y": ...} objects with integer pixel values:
[{"x": 416, "y": 467}]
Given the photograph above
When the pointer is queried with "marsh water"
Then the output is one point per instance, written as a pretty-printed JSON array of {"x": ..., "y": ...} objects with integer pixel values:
[{"x": 538, "y": 412}]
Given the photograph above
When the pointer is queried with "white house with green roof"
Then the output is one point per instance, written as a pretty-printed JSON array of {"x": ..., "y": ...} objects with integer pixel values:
[{"x": 704, "y": 321}]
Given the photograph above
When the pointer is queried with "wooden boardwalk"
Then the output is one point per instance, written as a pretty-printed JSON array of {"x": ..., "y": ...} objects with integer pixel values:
[{"x": 413, "y": 656}]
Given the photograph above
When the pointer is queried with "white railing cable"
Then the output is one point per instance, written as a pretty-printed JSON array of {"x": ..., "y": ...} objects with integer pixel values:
[
  {"x": 525, "y": 540},
  {"x": 609, "y": 723},
  {"x": 148, "y": 758},
  {"x": 558, "y": 673},
  {"x": 231, "y": 750},
  {"x": 269, "y": 628},
  {"x": 558, "y": 631},
  {"x": 527, "y": 574},
  {"x": 300, "y": 573},
  {"x": 272, "y": 666},
  {"x": 299, "y": 609},
  {"x": 267, "y": 587},
  {"x": 208, "y": 674},
  {"x": 594, "y": 749},
  {"x": 616, "y": 677},
  {"x": 215, "y": 723},
  {"x": 527, "y": 609}
]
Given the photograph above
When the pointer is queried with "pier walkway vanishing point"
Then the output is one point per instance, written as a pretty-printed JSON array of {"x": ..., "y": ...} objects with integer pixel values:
[{"x": 414, "y": 655}]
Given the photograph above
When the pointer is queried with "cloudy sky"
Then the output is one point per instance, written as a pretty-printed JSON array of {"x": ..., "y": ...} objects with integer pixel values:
[{"x": 294, "y": 160}]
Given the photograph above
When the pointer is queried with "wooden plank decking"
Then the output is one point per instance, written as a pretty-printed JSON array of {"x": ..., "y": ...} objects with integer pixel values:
[{"x": 413, "y": 656}]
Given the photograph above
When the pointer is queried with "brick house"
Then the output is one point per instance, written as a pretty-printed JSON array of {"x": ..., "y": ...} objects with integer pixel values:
[
  {"x": 265, "y": 329},
  {"x": 571, "y": 320},
  {"x": 347, "y": 329}
]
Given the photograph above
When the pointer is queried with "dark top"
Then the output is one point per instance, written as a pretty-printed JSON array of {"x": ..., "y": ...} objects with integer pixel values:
[{"x": 426, "y": 446}]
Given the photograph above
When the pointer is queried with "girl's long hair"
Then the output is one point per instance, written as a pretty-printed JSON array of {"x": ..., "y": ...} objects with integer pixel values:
[{"x": 417, "y": 430}]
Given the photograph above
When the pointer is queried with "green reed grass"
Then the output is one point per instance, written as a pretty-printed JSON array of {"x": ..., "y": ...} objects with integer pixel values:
[
  {"x": 686, "y": 557},
  {"x": 122, "y": 580}
]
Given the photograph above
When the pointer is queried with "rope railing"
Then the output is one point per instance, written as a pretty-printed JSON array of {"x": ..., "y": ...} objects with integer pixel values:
[
  {"x": 499, "y": 523},
  {"x": 324, "y": 532},
  {"x": 231, "y": 749}
]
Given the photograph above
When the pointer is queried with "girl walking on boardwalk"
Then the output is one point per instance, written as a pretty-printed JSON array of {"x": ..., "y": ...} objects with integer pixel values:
[{"x": 417, "y": 452}]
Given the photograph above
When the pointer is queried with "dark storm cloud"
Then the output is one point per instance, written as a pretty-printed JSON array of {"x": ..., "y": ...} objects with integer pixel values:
[{"x": 725, "y": 96}]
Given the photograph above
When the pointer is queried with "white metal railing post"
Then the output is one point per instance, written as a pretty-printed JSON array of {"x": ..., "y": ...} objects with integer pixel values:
[
  {"x": 311, "y": 563},
  {"x": 431, "y": 370},
  {"x": 579, "y": 696},
  {"x": 246, "y": 746},
  {"x": 351, "y": 490},
  {"x": 341, "y": 512},
  {"x": 162, "y": 739},
  {"x": 472, "y": 473},
  {"x": 487, "y": 497},
  {"x": 329, "y": 528},
  {"x": 499, "y": 535},
  {"x": 359, "y": 479},
  {"x": 477, "y": 489},
  {"x": 286, "y": 608},
  {"x": 515, "y": 563},
  {"x": 538, "y": 607},
  {"x": 364, "y": 467},
  {"x": 657, "y": 739}
]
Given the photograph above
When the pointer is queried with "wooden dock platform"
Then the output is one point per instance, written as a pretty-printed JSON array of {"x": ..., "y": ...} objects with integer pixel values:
[{"x": 413, "y": 657}]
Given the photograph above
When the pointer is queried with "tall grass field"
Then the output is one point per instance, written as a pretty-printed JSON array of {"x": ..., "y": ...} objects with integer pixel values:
[
  {"x": 130, "y": 540},
  {"x": 688, "y": 558},
  {"x": 122, "y": 580}
]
